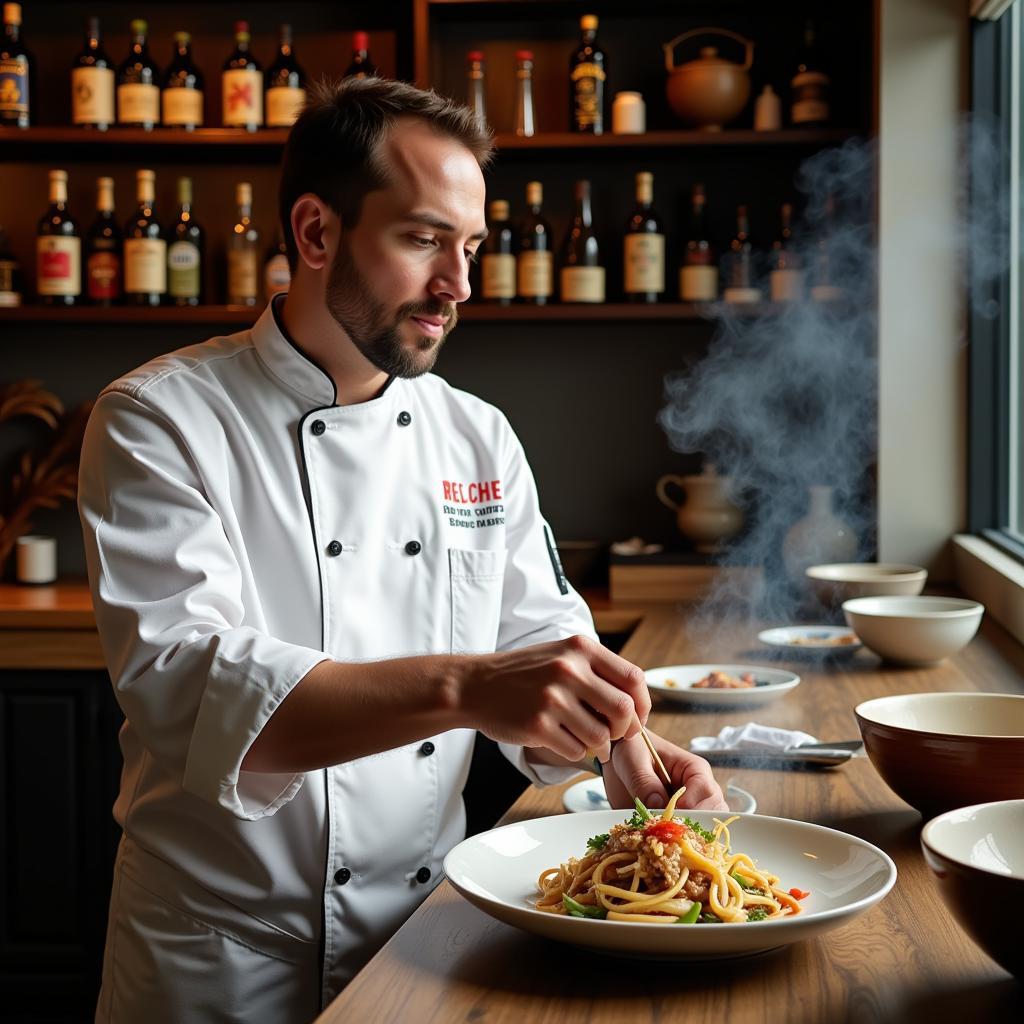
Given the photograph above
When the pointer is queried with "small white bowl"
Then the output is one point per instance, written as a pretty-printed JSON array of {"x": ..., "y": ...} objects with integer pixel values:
[
  {"x": 914, "y": 630},
  {"x": 842, "y": 581},
  {"x": 675, "y": 683},
  {"x": 976, "y": 855}
]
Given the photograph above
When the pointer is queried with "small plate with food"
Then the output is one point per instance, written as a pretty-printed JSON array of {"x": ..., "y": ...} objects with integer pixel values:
[
  {"x": 718, "y": 685},
  {"x": 835, "y": 641}
]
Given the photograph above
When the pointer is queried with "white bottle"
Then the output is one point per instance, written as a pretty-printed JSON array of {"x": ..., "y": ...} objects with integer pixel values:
[{"x": 767, "y": 111}]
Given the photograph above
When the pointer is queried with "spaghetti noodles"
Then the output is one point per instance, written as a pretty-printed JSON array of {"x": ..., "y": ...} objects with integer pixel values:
[{"x": 665, "y": 871}]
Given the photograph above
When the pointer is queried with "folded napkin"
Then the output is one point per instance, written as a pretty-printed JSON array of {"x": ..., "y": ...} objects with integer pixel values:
[{"x": 752, "y": 737}]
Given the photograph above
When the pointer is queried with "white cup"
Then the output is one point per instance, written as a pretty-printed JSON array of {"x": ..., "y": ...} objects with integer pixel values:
[
  {"x": 36, "y": 559},
  {"x": 629, "y": 114}
]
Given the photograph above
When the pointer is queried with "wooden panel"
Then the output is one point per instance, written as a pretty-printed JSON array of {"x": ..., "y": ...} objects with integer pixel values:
[
  {"x": 50, "y": 648},
  {"x": 641, "y": 583},
  {"x": 62, "y": 605}
]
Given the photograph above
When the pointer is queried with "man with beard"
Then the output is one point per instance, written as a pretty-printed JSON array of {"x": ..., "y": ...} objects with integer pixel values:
[{"x": 304, "y": 618}]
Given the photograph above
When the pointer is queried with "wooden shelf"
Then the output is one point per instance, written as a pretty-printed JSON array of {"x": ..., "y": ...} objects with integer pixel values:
[
  {"x": 728, "y": 138},
  {"x": 472, "y": 313}
]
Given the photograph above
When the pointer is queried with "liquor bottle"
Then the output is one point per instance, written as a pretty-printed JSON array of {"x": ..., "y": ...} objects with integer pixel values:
[
  {"x": 145, "y": 247},
  {"x": 277, "y": 275},
  {"x": 92, "y": 83},
  {"x": 58, "y": 249},
  {"x": 810, "y": 85},
  {"x": 242, "y": 85},
  {"x": 698, "y": 276},
  {"x": 786, "y": 276},
  {"x": 535, "y": 265},
  {"x": 183, "y": 87},
  {"x": 739, "y": 271},
  {"x": 824, "y": 287},
  {"x": 243, "y": 252},
  {"x": 10, "y": 274},
  {"x": 476, "y": 68},
  {"x": 185, "y": 253},
  {"x": 587, "y": 73},
  {"x": 16, "y": 73},
  {"x": 582, "y": 276},
  {"x": 103, "y": 250},
  {"x": 524, "y": 93},
  {"x": 285, "y": 84},
  {"x": 138, "y": 94},
  {"x": 643, "y": 253},
  {"x": 362, "y": 66},
  {"x": 497, "y": 260}
]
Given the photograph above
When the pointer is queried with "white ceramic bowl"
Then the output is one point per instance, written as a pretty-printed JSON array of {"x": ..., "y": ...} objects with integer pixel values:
[
  {"x": 842, "y": 581},
  {"x": 914, "y": 630},
  {"x": 977, "y": 858},
  {"x": 675, "y": 683},
  {"x": 497, "y": 871},
  {"x": 943, "y": 750}
]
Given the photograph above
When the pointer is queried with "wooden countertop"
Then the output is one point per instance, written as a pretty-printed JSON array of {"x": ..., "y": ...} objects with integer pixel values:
[{"x": 903, "y": 960}]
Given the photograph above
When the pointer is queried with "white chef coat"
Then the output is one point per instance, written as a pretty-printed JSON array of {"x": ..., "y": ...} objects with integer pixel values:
[{"x": 239, "y": 528}]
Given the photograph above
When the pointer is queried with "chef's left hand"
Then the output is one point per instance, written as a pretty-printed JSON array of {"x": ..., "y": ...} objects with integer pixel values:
[{"x": 631, "y": 772}]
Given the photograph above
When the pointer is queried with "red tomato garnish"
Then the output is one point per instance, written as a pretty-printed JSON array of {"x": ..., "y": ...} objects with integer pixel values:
[
  {"x": 666, "y": 831},
  {"x": 798, "y": 894}
]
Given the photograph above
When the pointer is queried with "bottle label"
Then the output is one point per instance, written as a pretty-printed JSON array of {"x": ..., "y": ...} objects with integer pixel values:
[
  {"x": 698, "y": 283},
  {"x": 535, "y": 274},
  {"x": 645, "y": 263},
  {"x": 277, "y": 277},
  {"x": 588, "y": 93},
  {"x": 8, "y": 296},
  {"x": 284, "y": 104},
  {"x": 145, "y": 265},
  {"x": 58, "y": 266},
  {"x": 13, "y": 86},
  {"x": 184, "y": 270},
  {"x": 243, "y": 276},
  {"x": 183, "y": 106},
  {"x": 582, "y": 284},
  {"x": 103, "y": 275},
  {"x": 498, "y": 276},
  {"x": 242, "y": 94},
  {"x": 786, "y": 285},
  {"x": 92, "y": 96},
  {"x": 138, "y": 104}
]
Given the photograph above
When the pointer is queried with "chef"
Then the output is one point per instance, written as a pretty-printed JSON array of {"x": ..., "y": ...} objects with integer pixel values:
[{"x": 317, "y": 570}]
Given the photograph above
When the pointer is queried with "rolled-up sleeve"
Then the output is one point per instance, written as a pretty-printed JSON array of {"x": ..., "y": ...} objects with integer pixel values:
[
  {"x": 196, "y": 683},
  {"x": 538, "y": 604}
]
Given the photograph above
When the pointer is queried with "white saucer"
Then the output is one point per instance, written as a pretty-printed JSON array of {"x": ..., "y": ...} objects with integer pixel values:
[
  {"x": 675, "y": 683},
  {"x": 589, "y": 795},
  {"x": 810, "y": 639}
]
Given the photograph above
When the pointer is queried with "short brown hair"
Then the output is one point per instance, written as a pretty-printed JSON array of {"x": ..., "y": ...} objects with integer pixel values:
[{"x": 332, "y": 147}]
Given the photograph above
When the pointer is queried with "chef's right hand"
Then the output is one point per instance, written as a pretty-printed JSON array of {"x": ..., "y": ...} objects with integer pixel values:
[{"x": 570, "y": 696}]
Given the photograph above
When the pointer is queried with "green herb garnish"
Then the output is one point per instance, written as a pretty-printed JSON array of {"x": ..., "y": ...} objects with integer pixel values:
[
  {"x": 757, "y": 914},
  {"x": 598, "y": 842},
  {"x": 640, "y": 816},
  {"x": 580, "y": 910},
  {"x": 745, "y": 883},
  {"x": 707, "y": 836},
  {"x": 709, "y": 919}
]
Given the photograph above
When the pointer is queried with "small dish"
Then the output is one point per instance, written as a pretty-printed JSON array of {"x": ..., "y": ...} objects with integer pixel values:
[
  {"x": 675, "y": 682},
  {"x": 831, "y": 640},
  {"x": 589, "y": 795}
]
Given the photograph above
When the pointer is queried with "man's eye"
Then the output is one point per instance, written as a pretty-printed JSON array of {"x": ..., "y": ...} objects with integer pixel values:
[{"x": 422, "y": 242}]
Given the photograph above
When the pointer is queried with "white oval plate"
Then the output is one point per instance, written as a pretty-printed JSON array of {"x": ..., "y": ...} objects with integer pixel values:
[
  {"x": 813, "y": 639},
  {"x": 675, "y": 682},
  {"x": 497, "y": 872},
  {"x": 589, "y": 795}
]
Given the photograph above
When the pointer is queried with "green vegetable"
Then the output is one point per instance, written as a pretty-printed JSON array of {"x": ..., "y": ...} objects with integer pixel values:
[
  {"x": 757, "y": 914},
  {"x": 640, "y": 815},
  {"x": 707, "y": 836},
  {"x": 580, "y": 910},
  {"x": 690, "y": 917},
  {"x": 745, "y": 883},
  {"x": 597, "y": 842},
  {"x": 708, "y": 919}
]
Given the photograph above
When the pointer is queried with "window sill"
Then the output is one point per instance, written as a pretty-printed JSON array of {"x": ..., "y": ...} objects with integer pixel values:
[{"x": 986, "y": 574}]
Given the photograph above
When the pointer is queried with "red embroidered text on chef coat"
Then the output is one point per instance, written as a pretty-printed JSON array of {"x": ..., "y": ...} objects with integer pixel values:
[{"x": 460, "y": 493}]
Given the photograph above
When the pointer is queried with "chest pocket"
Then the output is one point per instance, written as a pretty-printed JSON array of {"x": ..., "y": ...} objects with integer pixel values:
[{"x": 477, "y": 578}]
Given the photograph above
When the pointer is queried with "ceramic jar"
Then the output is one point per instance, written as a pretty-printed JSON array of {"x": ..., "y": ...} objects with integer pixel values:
[
  {"x": 706, "y": 515},
  {"x": 819, "y": 538},
  {"x": 710, "y": 91}
]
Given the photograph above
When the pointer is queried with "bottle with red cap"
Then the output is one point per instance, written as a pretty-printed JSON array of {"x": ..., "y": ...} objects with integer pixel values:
[
  {"x": 361, "y": 66},
  {"x": 524, "y": 92},
  {"x": 242, "y": 84},
  {"x": 475, "y": 69}
]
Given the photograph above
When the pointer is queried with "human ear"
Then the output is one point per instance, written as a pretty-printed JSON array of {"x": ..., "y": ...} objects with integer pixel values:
[{"x": 314, "y": 226}]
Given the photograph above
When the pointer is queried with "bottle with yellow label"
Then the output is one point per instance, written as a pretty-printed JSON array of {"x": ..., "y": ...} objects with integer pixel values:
[
  {"x": 285, "y": 85},
  {"x": 16, "y": 72},
  {"x": 582, "y": 276},
  {"x": 92, "y": 82},
  {"x": 644, "y": 247},
  {"x": 58, "y": 249},
  {"x": 138, "y": 91},
  {"x": 535, "y": 265},
  {"x": 242, "y": 85},
  {"x": 587, "y": 74},
  {"x": 698, "y": 276},
  {"x": 183, "y": 87},
  {"x": 497, "y": 260},
  {"x": 244, "y": 252},
  {"x": 145, "y": 247}
]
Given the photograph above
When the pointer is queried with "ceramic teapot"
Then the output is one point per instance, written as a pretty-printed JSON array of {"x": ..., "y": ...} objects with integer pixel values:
[
  {"x": 709, "y": 91},
  {"x": 707, "y": 516}
]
